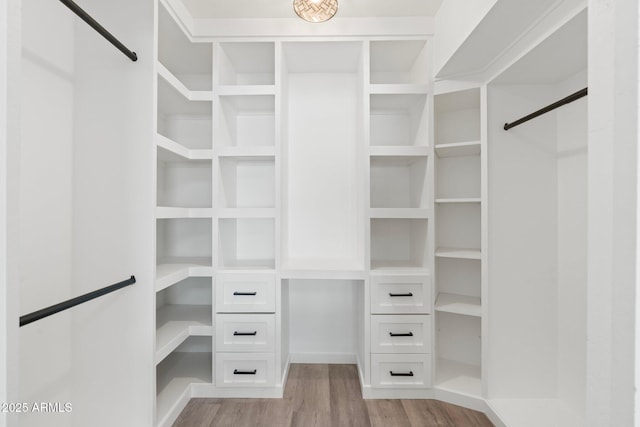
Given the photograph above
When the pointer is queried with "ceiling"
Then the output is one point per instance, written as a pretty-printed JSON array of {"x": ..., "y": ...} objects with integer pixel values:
[{"x": 284, "y": 8}]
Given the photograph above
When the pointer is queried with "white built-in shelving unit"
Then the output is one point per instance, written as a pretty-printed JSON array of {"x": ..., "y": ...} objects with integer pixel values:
[
  {"x": 184, "y": 217},
  {"x": 294, "y": 178},
  {"x": 459, "y": 251}
]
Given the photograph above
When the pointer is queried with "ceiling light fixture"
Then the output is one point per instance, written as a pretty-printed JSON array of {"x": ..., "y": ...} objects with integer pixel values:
[{"x": 315, "y": 10}]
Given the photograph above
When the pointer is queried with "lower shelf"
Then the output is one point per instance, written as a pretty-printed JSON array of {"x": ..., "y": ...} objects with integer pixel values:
[
  {"x": 458, "y": 377},
  {"x": 174, "y": 376},
  {"x": 175, "y": 323}
]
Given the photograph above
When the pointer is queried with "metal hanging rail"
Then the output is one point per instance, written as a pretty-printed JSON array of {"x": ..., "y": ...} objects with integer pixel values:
[
  {"x": 65, "y": 305},
  {"x": 99, "y": 28},
  {"x": 574, "y": 96}
]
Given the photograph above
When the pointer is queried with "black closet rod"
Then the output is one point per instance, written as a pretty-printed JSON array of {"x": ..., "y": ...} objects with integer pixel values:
[
  {"x": 574, "y": 96},
  {"x": 65, "y": 305},
  {"x": 99, "y": 28}
]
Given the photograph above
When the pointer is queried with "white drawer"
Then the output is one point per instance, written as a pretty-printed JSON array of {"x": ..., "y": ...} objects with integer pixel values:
[
  {"x": 245, "y": 370},
  {"x": 401, "y": 370},
  {"x": 401, "y": 294},
  {"x": 245, "y": 332},
  {"x": 245, "y": 293},
  {"x": 401, "y": 334}
]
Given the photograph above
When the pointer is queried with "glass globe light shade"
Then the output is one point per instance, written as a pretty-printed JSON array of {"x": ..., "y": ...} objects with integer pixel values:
[{"x": 315, "y": 10}]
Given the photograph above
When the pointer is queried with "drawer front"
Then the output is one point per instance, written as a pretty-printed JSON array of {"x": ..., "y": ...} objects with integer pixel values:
[
  {"x": 401, "y": 334},
  {"x": 401, "y": 370},
  {"x": 245, "y": 332},
  {"x": 245, "y": 370},
  {"x": 245, "y": 293},
  {"x": 401, "y": 294}
]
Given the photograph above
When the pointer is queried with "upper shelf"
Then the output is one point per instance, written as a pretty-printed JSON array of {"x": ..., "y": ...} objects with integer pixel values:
[
  {"x": 322, "y": 57},
  {"x": 458, "y": 149},
  {"x": 399, "y": 61},
  {"x": 171, "y": 151},
  {"x": 190, "y": 63},
  {"x": 248, "y": 63}
]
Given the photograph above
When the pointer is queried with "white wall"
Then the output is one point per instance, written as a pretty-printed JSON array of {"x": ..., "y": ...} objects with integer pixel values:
[
  {"x": 572, "y": 245},
  {"x": 455, "y": 20},
  {"x": 523, "y": 225},
  {"x": 612, "y": 201},
  {"x": 112, "y": 217},
  {"x": 47, "y": 118},
  {"x": 9, "y": 170}
]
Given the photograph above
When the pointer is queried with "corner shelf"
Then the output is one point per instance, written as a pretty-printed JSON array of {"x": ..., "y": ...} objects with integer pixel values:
[
  {"x": 174, "y": 377},
  {"x": 246, "y": 151},
  {"x": 173, "y": 270},
  {"x": 402, "y": 151},
  {"x": 191, "y": 95},
  {"x": 458, "y": 149},
  {"x": 247, "y": 213},
  {"x": 399, "y": 213},
  {"x": 176, "y": 152},
  {"x": 458, "y": 253},
  {"x": 458, "y": 304},
  {"x": 240, "y": 90},
  {"x": 459, "y": 200},
  {"x": 457, "y": 377},
  {"x": 398, "y": 62},
  {"x": 398, "y": 89},
  {"x": 166, "y": 212},
  {"x": 176, "y": 323}
]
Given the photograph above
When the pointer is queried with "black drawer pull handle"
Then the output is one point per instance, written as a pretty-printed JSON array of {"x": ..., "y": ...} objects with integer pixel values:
[
  {"x": 406, "y": 334},
  {"x": 236, "y": 372},
  {"x": 242, "y": 334},
  {"x": 401, "y": 374},
  {"x": 408, "y": 294},
  {"x": 245, "y": 294}
]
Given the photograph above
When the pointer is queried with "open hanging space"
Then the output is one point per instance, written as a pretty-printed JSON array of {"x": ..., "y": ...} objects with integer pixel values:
[{"x": 538, "y": 264}]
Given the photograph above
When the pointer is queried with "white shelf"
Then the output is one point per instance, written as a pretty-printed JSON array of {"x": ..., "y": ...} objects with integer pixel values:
[
  {"x": 240, "y": 90},
  {"x": 171, "y": 271},
  {"x": 176, "y": 323},
  {"x": 459, "y": 304},
  {"x": 322, "y": 269},
  {"x": 191, "y": 95},
  {"x": 165, "y": 212},
  {"x": 417, "y": 213},
  {"x": 393, "y": 267},
  {"x": 458, "y": 253},
  {"x": 401, "y": 150},
  {"x": 247, "y": 213},
  {"x": 180, "y": 152},
  {"x": 458, "y": 377},
  {"x": 459, "y": 200},
  {"x": 458, "y": 149},
  {"x": 246, "y": 151},
  {"x": 401, "y": 88},
  {"x": 174, "y": 378}
]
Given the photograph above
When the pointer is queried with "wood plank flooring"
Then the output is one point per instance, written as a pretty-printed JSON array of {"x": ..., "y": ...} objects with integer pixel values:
[{"x": 326, "y": 396}]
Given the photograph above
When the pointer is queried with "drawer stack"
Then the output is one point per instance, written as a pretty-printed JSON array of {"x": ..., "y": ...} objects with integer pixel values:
[
  {"x": 245, "y": 329},
  {"x": 401, "y": 331}
]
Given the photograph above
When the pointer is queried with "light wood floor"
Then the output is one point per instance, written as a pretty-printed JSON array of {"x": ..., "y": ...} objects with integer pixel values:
[{"x": 326, "y": 396}]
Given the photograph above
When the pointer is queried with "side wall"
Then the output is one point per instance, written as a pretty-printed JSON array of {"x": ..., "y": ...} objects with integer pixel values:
[
  {"x": 613, "y": 141},
  {"x": 572, "y": 246},
  {"x": 9, "y": 146},
  {"x": 45, "y": 217},
  {"x": 112, "y": 353}
]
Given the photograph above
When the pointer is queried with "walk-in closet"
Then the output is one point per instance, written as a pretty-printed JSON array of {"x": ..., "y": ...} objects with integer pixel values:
[{"x": 421, "y": 209}]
